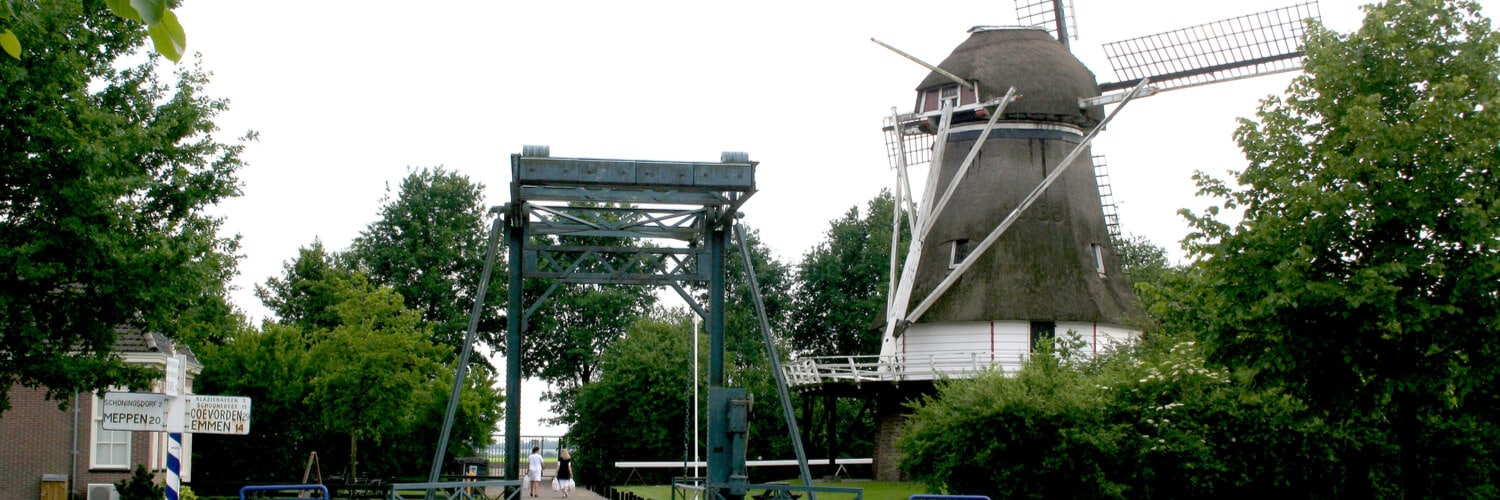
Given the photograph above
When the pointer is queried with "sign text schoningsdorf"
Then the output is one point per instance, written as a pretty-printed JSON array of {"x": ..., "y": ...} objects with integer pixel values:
[{"x": 133, "y": 411}]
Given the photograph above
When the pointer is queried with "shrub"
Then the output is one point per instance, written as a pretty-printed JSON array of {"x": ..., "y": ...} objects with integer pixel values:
[{"x": 141, "y": 485}]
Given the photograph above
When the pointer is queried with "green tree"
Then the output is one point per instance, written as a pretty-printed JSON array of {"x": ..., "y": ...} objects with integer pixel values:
[
  {"x": 641, "y": 387},
  {"x": 272, "y": 368},
  {"x": 580, "y": 323},
  {"x": 161, "y": 23},
  {"x": 107, "y": 171},
  {"x": 745, "y": 357},
  {"x": 837, "y": 305},
  {"x": 305, "y": 293},
  {"x": 429, "y": 244},
  {"x": 1164, "y": 290},
  {"x": 344, "y": 351},
  {"x": 369, "y": 372},
  {"x": 566, "y": 339},
  {"x": 743, "y": 343},
  {"x": 1362, "y": 276},
  {"x": 842, "y": 283},
  {"x": 745, "y": 347},
  {"x": 1152, "y": 420},
  {"x": 480, "y": 410},
  {"x": 1141, "y": 260},
  {"x": 1040, "y": 433}
]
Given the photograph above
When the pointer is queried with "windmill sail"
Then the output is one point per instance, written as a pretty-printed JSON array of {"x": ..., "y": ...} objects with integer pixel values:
[
  {"x": 1043, "y": 14},
  {"x": 1231, "y": 49}
]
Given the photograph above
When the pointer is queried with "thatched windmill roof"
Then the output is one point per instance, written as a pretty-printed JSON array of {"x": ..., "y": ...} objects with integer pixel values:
[{"x": 1048, "y": 78}]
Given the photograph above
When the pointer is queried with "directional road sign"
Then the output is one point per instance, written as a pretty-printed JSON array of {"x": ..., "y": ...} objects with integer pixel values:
[
  {"x": 218, "y": 414},
  {"x": 134, "y": 411}
]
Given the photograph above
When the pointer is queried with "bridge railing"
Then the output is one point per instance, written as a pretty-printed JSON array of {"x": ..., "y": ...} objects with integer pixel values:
[{"x": 816, "y": 370}]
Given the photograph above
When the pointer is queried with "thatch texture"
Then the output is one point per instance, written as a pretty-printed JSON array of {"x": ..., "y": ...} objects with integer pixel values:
[
  {"x": 1048, "y": 78},
  {"x": 1042, "y": 268}
]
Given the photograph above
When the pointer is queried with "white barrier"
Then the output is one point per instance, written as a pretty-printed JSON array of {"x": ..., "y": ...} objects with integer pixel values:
[{"x": 661, "y": 464}]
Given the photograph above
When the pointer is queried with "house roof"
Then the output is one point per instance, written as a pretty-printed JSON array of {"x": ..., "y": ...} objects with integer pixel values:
[{"x": 136, "y": 341}]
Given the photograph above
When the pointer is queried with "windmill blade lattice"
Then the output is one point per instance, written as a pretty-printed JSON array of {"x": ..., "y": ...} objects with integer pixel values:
[
  {"x": 1043, "y": 14},
  {"x": 906, "y": 138},
  {"x": 1231, "y": 49}
]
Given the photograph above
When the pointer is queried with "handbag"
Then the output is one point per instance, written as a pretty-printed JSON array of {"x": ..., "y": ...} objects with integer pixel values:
[{"x": 554, "y": 484}]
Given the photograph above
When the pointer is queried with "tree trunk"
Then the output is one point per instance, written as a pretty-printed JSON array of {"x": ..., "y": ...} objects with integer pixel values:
[{"x": 353, "y": 453}]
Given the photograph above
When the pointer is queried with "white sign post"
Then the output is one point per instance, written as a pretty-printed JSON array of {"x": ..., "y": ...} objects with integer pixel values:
[
  {"x": 173, "y": 388},
  {"x": 174, "y": 413}
]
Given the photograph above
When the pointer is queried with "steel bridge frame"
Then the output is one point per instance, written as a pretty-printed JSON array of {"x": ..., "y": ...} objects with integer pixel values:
[{"x": 693, "y": 205}]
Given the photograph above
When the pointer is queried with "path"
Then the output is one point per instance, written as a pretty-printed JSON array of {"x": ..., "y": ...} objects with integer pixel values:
[{"x": 546, "y": 492}]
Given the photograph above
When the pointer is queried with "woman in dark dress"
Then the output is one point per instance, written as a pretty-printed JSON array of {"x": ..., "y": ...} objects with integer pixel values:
[{"x": 564, "y": 471}]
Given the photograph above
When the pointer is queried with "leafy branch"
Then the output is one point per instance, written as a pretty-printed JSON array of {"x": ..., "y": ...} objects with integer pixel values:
[{"x": 167, "y": 35}]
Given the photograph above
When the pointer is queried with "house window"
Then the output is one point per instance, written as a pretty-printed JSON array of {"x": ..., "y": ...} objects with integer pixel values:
[
  {"x": 109, "y": 449},
  {"x": 1098, "y": 258},
  {"x": 158, "y": 451},
  {"x": 959, "y": 253}
]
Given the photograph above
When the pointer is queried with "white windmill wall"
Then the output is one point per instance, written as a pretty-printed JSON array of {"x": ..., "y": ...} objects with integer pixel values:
[
  {"x": 954, "y": 348},
  {"x": 959, "y": 349}
]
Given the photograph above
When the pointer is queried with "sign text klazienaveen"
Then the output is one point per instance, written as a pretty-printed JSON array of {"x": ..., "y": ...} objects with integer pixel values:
[{"x": 218, "y": 415}]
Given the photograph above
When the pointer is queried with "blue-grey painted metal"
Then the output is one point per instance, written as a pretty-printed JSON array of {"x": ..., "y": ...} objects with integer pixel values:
[
  {"x": 684, "y": 224},
  {"x": 691, "y": 302},
  {"x": 784, "y": 491},
  {"x": 765, "y": 333},
  {"x": 717, "y": 239},
  {"x": 686, "y": 484},
  {"x": 721, "y": 465},
  {"x": 615, "y": 265},
  {"x": 541, "y": 186},
  {"x": 641, "y": 196},
  {"x": 285, "y": 487},
  {"x": 728, "y": 428},
  {"x": 515, "y": 238},
  {"x": 462, "y": 371},
  {"x": 539, "y": 301},
  {"x": 539, "y": 170}
]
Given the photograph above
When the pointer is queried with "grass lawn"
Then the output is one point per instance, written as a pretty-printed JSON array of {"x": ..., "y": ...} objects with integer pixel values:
[{"x": 874, "y": 490}]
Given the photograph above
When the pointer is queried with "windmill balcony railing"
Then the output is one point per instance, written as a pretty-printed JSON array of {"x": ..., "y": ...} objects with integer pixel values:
[{"x": 816, "y": 370}]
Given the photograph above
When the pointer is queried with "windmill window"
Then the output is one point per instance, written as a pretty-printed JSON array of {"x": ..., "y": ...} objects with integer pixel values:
[
  {"x": 952, "y": 95},
  {"x": 959, "y": 252},
  {"x": 1098, "y": 252},
  {"x": 1042, "y": 331},
  {"x": 948, "y": 96}
]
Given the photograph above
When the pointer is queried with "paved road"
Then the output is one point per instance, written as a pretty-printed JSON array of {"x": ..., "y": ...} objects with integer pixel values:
[
  {"x": 546, "y": 492},
  {"x": 576, "y": 493}
]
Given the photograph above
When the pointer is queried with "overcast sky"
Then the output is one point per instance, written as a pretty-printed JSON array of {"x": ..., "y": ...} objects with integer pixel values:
[{"x": 348, "y": 97}]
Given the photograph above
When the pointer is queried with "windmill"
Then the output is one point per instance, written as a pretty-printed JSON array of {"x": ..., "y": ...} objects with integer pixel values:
[{"x": 1011, "y": 241}]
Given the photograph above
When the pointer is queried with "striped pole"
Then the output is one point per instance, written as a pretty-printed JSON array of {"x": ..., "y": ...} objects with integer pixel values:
[
  {"x": 174, "y": 465},
  {"x": 176, "y": 414}
]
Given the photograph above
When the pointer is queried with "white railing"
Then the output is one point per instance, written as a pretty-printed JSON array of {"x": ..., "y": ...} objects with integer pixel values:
[{"x": 902, "y": 367}]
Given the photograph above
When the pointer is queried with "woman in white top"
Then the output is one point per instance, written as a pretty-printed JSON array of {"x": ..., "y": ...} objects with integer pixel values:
[{"x": 534, "y": 469}]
